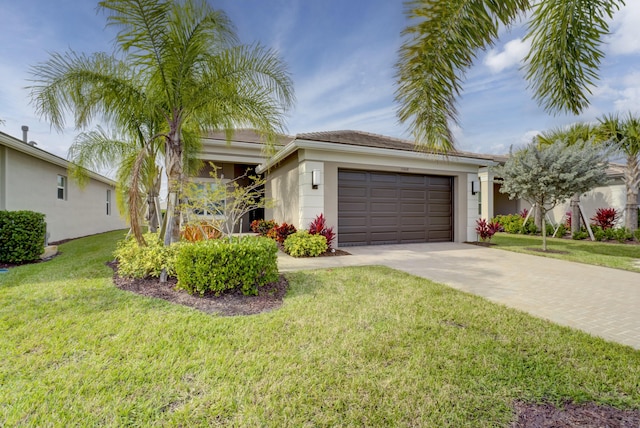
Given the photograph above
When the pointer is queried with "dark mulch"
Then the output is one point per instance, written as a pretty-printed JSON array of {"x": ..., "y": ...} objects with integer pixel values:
[
  {"x": 480, "y": 243},
  {"x": 334, "y": 252},
  {"x": 231, "y": 303},
  {"x": 588, "y": 415}
]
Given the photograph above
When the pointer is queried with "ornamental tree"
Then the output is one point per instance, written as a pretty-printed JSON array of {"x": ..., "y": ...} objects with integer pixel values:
[{"x": 547, "y": 175}]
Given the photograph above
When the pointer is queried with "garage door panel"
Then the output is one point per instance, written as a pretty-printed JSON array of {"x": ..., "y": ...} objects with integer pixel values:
[{"x": 386, "y": 208}]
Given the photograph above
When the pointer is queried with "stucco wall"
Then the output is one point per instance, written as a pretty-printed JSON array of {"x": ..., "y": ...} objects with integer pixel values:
[
  {"x": 465, "y": 205},
  {"x": 283, "y": 187},
  {"x": 611, "y": 196},
  {"x": 31, "y": 184}
]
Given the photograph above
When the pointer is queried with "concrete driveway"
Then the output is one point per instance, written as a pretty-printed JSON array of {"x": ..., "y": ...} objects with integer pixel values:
[{"x": 601, "y": 301}]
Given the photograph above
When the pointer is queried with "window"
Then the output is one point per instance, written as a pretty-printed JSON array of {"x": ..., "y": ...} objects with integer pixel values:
[
  {"x": 62, "y": 187},
  {"x": 208, "y": 200},
  {"x": 108, "y": 201}
]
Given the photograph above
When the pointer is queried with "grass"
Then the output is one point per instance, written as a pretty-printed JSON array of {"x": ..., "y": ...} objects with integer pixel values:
[
  {"x": 618, "y": 256},
  {"x": 366, "y": 346}
]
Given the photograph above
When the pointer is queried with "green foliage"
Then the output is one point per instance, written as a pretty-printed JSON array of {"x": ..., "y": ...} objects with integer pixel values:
[
  {"x": 220, "y": 265},
  {"x": 21, "y": 236},
  {"x": 262, "y": 227},
  {"x": 580, "y": 235},
  {"x": 304, "y": 244},
  {"x": 622, "y": 234},
  {"x": 562, "y": 63},
  {"x": 562, "y": 230},
  {"x": 514, "y": 223},
  {"x": 142, "y": 261},
  {"x": 636, "y": 234},
  {"x": 599, "y": 233}
]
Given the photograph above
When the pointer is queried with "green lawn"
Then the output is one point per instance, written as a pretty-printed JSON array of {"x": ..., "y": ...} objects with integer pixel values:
[
  {"x": 619, "y": 256},
  {"x": 350, "y": 347}
]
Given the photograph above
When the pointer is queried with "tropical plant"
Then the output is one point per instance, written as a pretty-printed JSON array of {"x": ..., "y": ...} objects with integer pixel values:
[
  {"x": 624, "y": 137},
  {"x": 445, "y": 36},
  {"x": 547, "y": 175},
  {"x": 182, "y": 61},
  {"x": 304, "y": 244},
  {"x": 606, "y": 218},
  {"x": 486, "y": 230},
  {"x": 262, "y": 227},
  {"x": 319, "y": 227}
]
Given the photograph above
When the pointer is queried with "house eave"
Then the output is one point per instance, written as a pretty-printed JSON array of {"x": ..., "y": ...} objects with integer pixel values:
[
  {"x": 20, "y": 146},
  {"x": 364, "y": 150}
]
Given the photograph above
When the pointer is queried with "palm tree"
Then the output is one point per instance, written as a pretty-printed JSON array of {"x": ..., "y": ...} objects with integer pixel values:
[
  {"x": 138, "y": 172},
  {"x": 181, "y": 61},
  {"x": 624, "y": 137},
  {"x": 445, "y": 36}
]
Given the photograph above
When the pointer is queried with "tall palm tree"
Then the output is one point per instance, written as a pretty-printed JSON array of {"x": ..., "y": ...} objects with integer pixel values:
[
  {"x": 445, "y": 36},
  {"x": 623, "y": 135},
  {"x": 182, "y": 61}
]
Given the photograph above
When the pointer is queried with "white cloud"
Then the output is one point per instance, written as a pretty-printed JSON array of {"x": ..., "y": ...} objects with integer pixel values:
[
  {"x": 513, "y": 53},
  {"x": 625, "y": 40}
]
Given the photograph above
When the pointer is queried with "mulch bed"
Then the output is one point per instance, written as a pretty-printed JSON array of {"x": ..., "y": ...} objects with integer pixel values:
[
  {"x": 232, "y": 303},
  {"x": 588, "y": 415}
]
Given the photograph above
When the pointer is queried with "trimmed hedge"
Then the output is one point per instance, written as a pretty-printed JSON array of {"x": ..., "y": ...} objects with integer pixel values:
[
  {"x": 21, "y": 236},
  {"x": 135, "y": 261},
  {"x": 303, "y": 244},
  {"x": 219, "y": 265}
]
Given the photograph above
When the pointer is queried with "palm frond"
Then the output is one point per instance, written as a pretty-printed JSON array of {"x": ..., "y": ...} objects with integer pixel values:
[
  {"x": 440, "y": 45},
  {"x": 565, "y": 55}
]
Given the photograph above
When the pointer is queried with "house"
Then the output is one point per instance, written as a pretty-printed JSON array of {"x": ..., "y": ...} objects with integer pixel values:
[
  {"x": 36, "y": 180},
  {"x": 373, "y": 189}
]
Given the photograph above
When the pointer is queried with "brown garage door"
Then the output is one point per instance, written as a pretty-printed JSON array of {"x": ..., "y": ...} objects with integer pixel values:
[{"x": 391, "y": 208}]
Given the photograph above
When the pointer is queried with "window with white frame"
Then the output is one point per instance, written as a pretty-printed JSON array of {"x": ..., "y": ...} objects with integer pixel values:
[
  {"x": 108, "y": 201},
  {"x": 62, "y": 187},
  {"x": 210, "y": 202}
]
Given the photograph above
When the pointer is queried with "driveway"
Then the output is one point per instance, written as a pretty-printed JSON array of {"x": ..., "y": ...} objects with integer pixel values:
[{"x": 601, "y": 301}]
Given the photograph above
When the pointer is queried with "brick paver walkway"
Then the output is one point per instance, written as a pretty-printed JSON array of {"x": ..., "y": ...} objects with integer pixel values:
[{"x": 601, "y": 301}]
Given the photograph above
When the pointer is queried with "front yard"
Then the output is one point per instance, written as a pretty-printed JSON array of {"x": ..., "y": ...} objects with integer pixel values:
[{"x": 365, "y": 346}]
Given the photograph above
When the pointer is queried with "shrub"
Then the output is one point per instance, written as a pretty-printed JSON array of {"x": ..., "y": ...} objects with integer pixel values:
[
  {"x": 579, "y": 235},
  {"x": 486, "y": 230},
  {"x": 524, "y": 213},
  {"x": 280, "y": 233},
  {"x": 513, "y": 223},
  {"x": 622, "y": 234},
  {"x": 606, "y": 218},
  {"x": 636, "y": 234},
  {"x": 136, "y": 261},
  {"x": 599, "y": 233},
  {"x": 303, "y": 244},
  {"x": 562, "y": 230},
  {"x": 319, "y": 227},
  {"x": 21, "y": 236},
  {"x": 262, "y": 227},
  {"x": 220, "y": 265}
]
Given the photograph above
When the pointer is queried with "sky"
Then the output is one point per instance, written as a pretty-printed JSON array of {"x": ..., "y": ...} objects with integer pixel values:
[{"x": 341, "y": 56}]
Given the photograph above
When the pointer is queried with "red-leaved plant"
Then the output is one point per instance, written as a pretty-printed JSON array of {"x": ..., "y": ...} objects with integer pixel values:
[
  {"x": 606, "y": 218},
  {"x": 319, "y": 227},
  {"x": 486, "y": 230},
  {"x": 280, "y": 233}
]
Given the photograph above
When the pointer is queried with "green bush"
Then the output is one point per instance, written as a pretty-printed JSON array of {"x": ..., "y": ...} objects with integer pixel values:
[
  {"x": 513, "y": 223},
  {"x": 622, "y": 234},
  {"x": 219, "y": 265},
  {"x": 636, "y": 234},
  {"x": 562, "y": 230},
  {"x": 303, "y": 244},
  {"x": 21, "y": 236},
  {"x": 599, "y": 233},
  {"x": 581, "y": 234},
  {"x": 135, "y": 261}
]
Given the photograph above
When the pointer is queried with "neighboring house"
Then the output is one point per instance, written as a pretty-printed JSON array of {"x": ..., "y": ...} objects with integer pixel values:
[
  {"x": 373, "y": 189},
  {"x": 36, "y": 180}
]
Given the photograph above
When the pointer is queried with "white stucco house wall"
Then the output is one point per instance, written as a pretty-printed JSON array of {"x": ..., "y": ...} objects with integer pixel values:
[
  {"x": 371, "y": 188},
  {"x": 36, "y": 180}
]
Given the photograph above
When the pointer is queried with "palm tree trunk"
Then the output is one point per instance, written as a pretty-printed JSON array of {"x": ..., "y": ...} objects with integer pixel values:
[
  {"x": 632, "y": 181},
  {"x": 575, "y": 213},
  {"x": 174, "y": 168}
]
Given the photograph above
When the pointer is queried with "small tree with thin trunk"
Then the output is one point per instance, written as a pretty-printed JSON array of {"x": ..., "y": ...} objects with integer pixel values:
[{"x": 548, "y": 175}]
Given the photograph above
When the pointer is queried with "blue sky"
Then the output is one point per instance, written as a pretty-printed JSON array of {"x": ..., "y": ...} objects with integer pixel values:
[{"x": 341, "y": 55}]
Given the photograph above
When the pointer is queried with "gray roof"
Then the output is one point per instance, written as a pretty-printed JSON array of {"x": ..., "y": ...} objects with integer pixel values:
[
  {"x": 366, "y": 139},
  {"x": 248, "y": 136}
]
